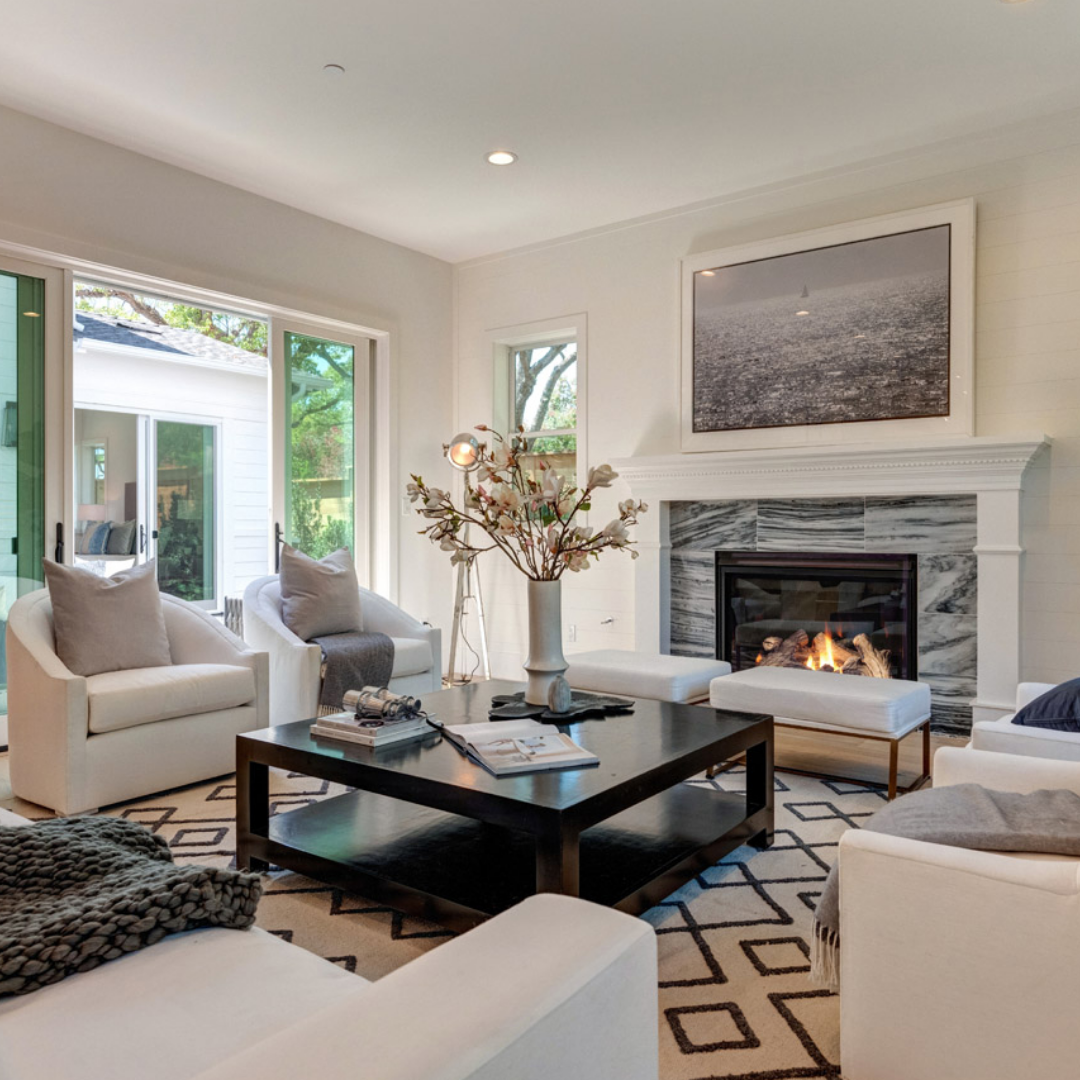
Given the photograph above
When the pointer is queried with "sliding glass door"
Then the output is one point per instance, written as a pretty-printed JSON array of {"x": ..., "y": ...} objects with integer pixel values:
[
  {"x": 22, "y": 447},
  {"x": 184, "y": 513}
]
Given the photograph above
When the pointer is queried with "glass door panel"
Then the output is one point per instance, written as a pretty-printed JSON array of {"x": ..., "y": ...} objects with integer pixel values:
[
  {"x": 320, "y": 444},
  {"x": 22, "y": 446},
  {"x": 185, "y": 509}
]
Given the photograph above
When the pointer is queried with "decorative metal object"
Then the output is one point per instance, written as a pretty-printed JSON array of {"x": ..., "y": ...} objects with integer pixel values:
[{"x": 582, "y": 706}]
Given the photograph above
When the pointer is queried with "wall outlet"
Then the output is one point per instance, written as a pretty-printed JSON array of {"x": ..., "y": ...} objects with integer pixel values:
[
  {"x": 406, "y": 506},
  {"x": 571, "y": 632}
]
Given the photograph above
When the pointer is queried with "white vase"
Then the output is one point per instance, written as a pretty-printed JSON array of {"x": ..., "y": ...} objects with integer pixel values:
[{"x": 546, "y": 661}]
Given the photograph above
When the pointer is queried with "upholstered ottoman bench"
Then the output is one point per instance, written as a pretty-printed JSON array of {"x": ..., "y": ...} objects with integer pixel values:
[
  {"x": 644, "y": 675},
  {"x": 856, "y": 705}
]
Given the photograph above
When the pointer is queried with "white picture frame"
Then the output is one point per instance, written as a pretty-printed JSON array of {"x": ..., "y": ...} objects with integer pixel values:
[{"x": 959, "y": 216}]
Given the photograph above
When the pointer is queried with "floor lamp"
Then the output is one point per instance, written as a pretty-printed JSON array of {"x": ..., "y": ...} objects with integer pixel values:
[{"x": 463, "y": 453}]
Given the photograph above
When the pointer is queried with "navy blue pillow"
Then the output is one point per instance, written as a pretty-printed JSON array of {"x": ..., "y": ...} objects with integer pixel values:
[{"x": 1058, "y": 709}]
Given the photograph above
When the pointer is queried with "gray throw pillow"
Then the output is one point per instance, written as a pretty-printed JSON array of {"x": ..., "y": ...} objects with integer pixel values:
[
  {"x": 319, "y": 596},
  {"x": 107, "y": 623},
  {"x": 121, "y": 539}
]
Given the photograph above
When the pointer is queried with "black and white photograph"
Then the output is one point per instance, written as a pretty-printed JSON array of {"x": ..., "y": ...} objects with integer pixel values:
[{"x": 840, "y": 334}]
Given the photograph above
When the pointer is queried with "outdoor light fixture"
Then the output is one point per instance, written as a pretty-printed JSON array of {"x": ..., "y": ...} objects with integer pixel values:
[
  {"x": 501, "y": 157},
  {"x": 463, "y": 453}
]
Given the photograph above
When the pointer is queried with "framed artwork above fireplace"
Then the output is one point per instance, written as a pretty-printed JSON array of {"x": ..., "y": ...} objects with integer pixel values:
[{"x": 850, "y": 333}]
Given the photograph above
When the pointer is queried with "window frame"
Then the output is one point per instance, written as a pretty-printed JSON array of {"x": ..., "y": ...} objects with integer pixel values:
[{"x": 506, "y": 341}]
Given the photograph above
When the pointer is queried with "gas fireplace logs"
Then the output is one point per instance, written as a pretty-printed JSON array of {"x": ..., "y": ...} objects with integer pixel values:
[{"x": 826, "y": 653}]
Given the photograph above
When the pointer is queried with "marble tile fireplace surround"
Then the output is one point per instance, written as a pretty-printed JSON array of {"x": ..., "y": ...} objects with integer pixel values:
[{"x": 952, "y": 504}]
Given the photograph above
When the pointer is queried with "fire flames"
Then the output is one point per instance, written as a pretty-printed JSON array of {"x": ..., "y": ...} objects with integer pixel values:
[
  {"x": 827, "y": 652},
  {"x": 822, "y": 656}
]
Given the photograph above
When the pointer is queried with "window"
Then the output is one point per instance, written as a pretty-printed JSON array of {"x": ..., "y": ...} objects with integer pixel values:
[{"x": 544, "y": 387}]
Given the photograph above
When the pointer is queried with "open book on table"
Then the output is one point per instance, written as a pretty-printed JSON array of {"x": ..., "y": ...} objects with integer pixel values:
[{"x": 517, "y": 746}]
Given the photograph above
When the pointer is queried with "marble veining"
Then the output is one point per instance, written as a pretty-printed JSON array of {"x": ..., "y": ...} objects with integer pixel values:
[
  {"x": 918, "y": 523},
  {"x": 693, "y": 602},
  {"x": 708, "y": 525},
  {"x": 948, "y": 584},
  {"x": 947, "y": 644},
  {"x": 810, "y": 525}
]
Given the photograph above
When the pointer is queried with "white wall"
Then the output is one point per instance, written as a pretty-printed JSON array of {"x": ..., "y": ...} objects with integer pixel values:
[
  {"x": 65, "y": 192},
  {"x": 1027, "y": 185}
]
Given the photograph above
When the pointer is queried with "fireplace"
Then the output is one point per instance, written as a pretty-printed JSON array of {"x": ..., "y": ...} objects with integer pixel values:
[{"x": 849, "y": 613}]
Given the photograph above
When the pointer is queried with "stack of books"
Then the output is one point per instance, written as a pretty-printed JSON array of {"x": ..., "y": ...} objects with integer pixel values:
[{"x": 368, "y": 731}]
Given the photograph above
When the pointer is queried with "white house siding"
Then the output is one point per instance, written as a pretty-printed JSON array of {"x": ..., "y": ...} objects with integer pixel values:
[{"x": 115, "y": 380}]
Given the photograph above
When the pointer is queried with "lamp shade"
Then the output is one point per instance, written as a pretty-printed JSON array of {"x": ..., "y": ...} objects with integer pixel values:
[
  {"x": 91, "y": 512},
  {"x": 463, "y": 451}
]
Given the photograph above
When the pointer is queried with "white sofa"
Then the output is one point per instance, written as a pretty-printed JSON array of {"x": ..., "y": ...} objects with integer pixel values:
[
  {"x": 555, "y": 987},
  {"x": 957, "y": 964},
  {"x": 78, "y": 743},
  {"x": 1004, "y": 737},
  {"x": 295, "y": 665}
]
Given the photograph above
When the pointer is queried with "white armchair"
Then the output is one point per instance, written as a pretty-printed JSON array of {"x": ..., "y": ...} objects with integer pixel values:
[
  {"x": 957, "y": 964},
  {"x": 1004, "y": 737},
  {"x": 295, "y": 665},
  {"x": 78, "y": 743}
]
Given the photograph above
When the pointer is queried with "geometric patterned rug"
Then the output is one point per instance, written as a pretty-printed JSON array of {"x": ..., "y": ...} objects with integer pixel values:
[{"x": 735, "y": 1000}]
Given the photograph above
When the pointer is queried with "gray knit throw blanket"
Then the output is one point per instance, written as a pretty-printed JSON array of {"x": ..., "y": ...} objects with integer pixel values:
[
  {"x": 75, "y": 892},
  {"x": 351, "y": 661},
  {"x": 966, "y": 816}
]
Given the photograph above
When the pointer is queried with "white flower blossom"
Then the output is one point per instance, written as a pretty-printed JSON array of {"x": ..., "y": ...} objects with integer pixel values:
[{"x": 601, "y": 476}]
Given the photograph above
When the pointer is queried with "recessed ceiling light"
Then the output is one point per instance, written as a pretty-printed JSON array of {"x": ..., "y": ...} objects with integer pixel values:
[
  {"x": 501, "y": 157},
  {"x": 333, "y": 70},
  {"x": 708, "y": 273},
  {"x": 802, "y": 312}
]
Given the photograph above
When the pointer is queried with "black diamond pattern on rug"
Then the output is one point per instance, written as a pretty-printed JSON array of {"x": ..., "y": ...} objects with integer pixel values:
[{"x": 735, "y": 1000}]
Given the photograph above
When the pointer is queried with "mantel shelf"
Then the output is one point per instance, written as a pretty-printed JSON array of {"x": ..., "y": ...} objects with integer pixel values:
[{"x": 953, "y": 465}]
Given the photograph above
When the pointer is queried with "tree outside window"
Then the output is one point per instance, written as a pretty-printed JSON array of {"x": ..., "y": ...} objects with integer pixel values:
[{"x": 545, "y": 403}]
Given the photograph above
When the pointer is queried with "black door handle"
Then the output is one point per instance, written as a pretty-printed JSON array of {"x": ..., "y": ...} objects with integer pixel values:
[
  {"x": 58, "y": 552},
  {"x": 279, "y": 539},
  {"x": 142, "y": 539}
]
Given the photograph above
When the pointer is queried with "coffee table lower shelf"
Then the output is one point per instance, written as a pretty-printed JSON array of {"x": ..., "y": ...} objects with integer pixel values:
[{"x": 457, "y": 871}]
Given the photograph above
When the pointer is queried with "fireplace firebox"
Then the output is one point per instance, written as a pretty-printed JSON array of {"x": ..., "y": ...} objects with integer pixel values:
[{"x": 849, "y": 613}]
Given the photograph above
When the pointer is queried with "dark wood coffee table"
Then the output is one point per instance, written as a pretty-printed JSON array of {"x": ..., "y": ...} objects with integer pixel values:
[{"x": 430, "y": 833}]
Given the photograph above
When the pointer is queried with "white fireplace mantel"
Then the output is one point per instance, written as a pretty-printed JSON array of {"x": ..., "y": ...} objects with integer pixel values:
[{"x": 989, "y": 466}]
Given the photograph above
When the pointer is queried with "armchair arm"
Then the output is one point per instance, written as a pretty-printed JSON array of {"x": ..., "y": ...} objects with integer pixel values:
[
  {"x": 554, "y": 987},
  {"x": 1004, "y": 772},
  {"x": 382, "y": 615},
  {"x": 47, "y": 712},
  {"x": 1027, "y": 692},
  {"x": 972, "y": 950}
]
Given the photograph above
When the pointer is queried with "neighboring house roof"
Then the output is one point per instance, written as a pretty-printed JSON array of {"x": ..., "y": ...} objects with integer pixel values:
[{"x": 141, "y": 334}]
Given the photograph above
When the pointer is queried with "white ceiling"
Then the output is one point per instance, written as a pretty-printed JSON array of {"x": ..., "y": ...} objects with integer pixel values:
[{"x": 617, "y": 108}]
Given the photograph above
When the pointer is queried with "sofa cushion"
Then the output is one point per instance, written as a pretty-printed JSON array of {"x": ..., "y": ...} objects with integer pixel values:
[
  {"x": 818, "y": 697},
  {"x": 319, "y": 596},
  {"x": 170, "y": 1011},
  {"x": 123, "y": 699},
  {"x": 107, "y": 623},
  {"x": 121, "y": 539},
  {"x": 644, "y": 675},
  {"x": 411, "y": 657}
]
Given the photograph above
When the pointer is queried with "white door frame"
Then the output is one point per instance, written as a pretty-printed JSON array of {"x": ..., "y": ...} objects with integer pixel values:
[{"x": 363, "y": 448}]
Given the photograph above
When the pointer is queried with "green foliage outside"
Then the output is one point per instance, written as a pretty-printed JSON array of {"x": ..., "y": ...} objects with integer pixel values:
[{"x": 185, "y": 522}]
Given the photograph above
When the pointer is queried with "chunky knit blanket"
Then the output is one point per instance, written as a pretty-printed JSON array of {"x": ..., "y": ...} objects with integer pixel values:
[
  {"x": 75, "y": 892},
  {"x": 963, "y": 815}
]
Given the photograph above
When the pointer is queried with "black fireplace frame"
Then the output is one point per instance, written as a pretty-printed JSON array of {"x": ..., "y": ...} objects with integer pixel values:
[{"x": 785, "y": 564}]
